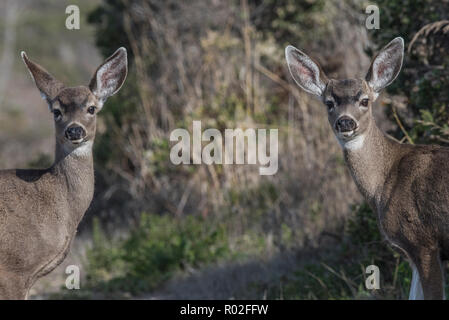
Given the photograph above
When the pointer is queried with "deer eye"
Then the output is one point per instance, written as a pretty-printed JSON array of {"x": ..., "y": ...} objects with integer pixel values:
[
  {"x": 91, "y": 109},
  {"x": 330, "y": 105},
  {"x": 364, "y": 102},
  {"x": 57, "y": 114}
]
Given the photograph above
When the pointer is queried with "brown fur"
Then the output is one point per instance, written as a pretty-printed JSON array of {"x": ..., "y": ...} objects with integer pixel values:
[
  {"x": 407, "y": 186},
  {"x": 40, "y": 209}
]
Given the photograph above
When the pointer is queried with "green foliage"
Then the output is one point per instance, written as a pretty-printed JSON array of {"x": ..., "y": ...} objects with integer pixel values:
[
  {"x": 339, "y": 271},
  {"x": 109, "y": 22},
  {"x": 286, "y": 19},
  {"x": 247, "y": 208},
  {"x": 363, "y": 228},
  {"x": 41, "y": 161},
  {"x": 405, "y": 18},
  {"x": 256, "y": 198},
  {"x": 280, "y": 21},
  {"x": 120, "y": 112},
  {"x": 159, "y": 247},
  {"x": 425, "y": 76},
  {"x": 104, "y": 259}
]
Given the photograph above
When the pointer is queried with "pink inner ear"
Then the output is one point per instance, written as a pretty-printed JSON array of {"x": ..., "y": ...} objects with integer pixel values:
[
  {"x": 381, "y": 69},
  {"x": 304, "y": 71},
  {"x": 107, "y": 78}
]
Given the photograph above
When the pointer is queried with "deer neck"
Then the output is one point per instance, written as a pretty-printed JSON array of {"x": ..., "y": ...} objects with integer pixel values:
[
  {"x": 76, "y": 172},
  {"x": 370, "y": 158}
]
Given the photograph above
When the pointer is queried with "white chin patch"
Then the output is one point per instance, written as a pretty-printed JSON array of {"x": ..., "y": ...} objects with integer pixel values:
[
  {"x": 84, "y": 150},
  {"x": 347, "y": 134},
  {"x": 353, "y": 144}
]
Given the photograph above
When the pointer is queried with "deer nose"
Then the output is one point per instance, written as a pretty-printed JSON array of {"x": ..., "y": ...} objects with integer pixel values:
[
  {"x": 75, "y": 133},
  {"x": 345, "y": 124}
]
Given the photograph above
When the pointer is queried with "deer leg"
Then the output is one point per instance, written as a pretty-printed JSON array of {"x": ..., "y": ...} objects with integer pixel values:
[
  {"x": 12, "y": 287},
  {"x": 430, "y": 270},
  {"x": 416, "y": 292}
]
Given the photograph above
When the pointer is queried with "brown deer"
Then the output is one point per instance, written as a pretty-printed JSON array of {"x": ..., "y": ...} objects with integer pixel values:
[
  {"x": 407, "y": 186},
  {"x": 40, "y": 209}
]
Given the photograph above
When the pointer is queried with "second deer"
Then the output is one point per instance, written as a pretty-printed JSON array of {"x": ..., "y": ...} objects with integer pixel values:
[
  {"x": 407, "y": 186},
  {"x": 40, "y": 209}
]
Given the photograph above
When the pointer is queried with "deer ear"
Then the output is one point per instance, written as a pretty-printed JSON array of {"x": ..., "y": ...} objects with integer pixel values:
[
  {"x": 45, "y": 82},
  {"x": 386, "y": 65},
  {"x": 306, "y": 72},
  {"x": 109, "y": 77}
]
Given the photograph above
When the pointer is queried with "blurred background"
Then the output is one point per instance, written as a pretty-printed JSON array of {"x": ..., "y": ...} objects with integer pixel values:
[{"x": 160, "y": 231}]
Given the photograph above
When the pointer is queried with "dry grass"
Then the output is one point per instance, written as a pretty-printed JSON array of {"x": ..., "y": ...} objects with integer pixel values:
[
  {"x": 208, "y": 61},
  {"x": 214, "y": 66}
]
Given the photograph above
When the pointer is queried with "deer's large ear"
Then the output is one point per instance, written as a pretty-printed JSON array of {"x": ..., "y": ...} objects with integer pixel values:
[
  {"x": 386, "y": 65},
  {"x": 109, "y": 77},
  {"x": 306, "y": 72},
  {"x": 45, "y": 82}
]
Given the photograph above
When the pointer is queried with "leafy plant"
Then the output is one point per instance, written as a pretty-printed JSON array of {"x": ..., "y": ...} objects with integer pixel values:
[
  {"x": 338, "y": 272},
  {"x": 159, "y": 247},
  {"x": 424, "y": 79}
]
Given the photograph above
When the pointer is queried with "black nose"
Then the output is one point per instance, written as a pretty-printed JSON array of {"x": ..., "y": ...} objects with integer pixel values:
[
  {"x": 75, "y": 133},
  {"x": 345, "y": 124}
]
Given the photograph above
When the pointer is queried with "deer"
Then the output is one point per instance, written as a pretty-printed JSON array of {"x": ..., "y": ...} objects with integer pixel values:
[
  {"x": 406, "y": 185},
  {"x": 40, "y": 209}
]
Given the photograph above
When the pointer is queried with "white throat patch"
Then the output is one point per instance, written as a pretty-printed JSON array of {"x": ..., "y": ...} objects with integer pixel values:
[
  {"x": 84, "y": 150},
  {"x": 354, "y": 144}
]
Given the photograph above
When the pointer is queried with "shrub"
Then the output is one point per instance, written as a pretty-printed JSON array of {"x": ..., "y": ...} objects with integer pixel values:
[
  {"x": 424, "y": 79},
  {"x": 159, "y": 247},
  {"x": 338, "y": 272}
]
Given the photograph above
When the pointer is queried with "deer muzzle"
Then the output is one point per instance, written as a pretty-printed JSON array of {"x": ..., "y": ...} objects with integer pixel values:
[
  {"x": 345, "y": 124},
  {"x": 75, "y": 133}
]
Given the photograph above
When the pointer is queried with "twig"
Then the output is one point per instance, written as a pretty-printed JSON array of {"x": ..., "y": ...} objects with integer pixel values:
[
  {"x": 409, "y": 139},
  {"x": 434, "y": 27},
  {"x": 246, "y": 30},
  {"x": 272, "y": 76}
]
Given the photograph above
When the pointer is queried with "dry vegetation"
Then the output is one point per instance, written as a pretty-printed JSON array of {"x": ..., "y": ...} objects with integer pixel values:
[
  {"x": 223, "y": 231},
  {"x": 222, "y": 63},
  {"x": 217, "y": 62},
  {"x": 209, "y": 62}
]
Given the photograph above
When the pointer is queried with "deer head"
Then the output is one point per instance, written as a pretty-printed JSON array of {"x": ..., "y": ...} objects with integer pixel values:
[
  {"x": 75, "y": 108},
  {"x": 349, "y": 102}
]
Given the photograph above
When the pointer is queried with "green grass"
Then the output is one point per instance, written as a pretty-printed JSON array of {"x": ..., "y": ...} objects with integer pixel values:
[
  {"x": 162, "y": 246},
  {"x": 157, "y": 249},
  {"x": 338, "y": 271}
]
